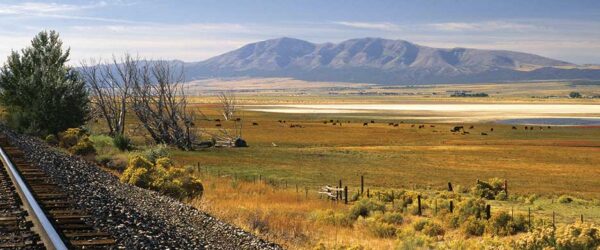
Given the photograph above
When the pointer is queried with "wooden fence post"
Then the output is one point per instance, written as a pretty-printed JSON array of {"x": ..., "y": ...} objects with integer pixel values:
[
  {"x": 346, "y": 195},
  {"x": 488, "y": 212},
  {"x": 450, "y": 186},
  {"x": 581, "y": 218},
  {"x": 451, "y": 206},
  {"x": 553, "y": 220},
  {"x": 419, "y": 204},
  {"x": 306, "y": 192},
  {"x": 339, "y": 192},
  {"x": 368, "y": 194},
  {"x": 393, "y": 198},
  {"x": 362, "y": 185},
  {"x": 506, "y": 187}
]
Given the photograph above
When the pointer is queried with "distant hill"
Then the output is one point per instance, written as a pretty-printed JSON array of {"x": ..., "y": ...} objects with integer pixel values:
[{"x": 376, "y": 60}]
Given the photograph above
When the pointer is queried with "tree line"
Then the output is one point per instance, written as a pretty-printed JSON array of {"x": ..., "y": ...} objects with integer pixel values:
[{"x": 43, "y": 95}]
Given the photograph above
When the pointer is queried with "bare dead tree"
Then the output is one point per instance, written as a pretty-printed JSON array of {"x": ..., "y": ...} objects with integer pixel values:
[
  {"x": 228, "y": 103},
  {"x": 160, "y": 103},
  {"x": 110, "y": 85}
]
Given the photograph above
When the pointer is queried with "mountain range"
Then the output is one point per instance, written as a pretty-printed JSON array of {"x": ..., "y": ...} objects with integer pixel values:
[{"x": 383, "y": 61}]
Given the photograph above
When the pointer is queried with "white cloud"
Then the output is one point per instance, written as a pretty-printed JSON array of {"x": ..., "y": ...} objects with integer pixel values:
[
  {"x": 29, "y": 8},
  {"x": 385, "y": 26},
  {"x": 483, "y": 26}
]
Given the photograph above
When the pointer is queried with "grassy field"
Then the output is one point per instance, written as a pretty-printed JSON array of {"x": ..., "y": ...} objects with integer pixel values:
[
  {"x": 271, "y": 187},
  {"x": 553, "y": 161}
]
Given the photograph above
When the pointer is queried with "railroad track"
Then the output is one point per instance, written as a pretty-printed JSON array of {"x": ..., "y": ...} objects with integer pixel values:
[{"x": 36, "y": 214}]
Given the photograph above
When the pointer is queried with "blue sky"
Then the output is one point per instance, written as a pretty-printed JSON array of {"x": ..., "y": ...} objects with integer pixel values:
[{"x": 196, "y": 30}]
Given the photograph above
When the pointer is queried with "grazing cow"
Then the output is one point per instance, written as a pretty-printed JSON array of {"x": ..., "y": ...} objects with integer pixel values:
[
  {"x": 390, "y": 124},
  {"x": 325, "y": 122},
  {"x": 548, "y": 127},
  {"x": 432, "y": 126},
  {"x": 396, "y": 125},
  {"x": 491, "y": 129},
  {"x": 531, "y": 128},
  {"x": 412, "y": 126},
  {"x": 335, "y": 123},
  {"x": 255, "y": 124},
  {"x": 217, "y": 120},
  {"x": 372, "y": 121},
  {"x": 465, "y": 132},
  {"x": 526, "y": 127},
  {"x": 330, "y": 120},
  {"x": 218, "y": 125},
  {"x": 421, "y": 126},
  {"x": 472, "y": 127},
  {"x": 279, "y": 121},
  {"x": 238, "y": 119},
  {"x": 457, "y": 129},
  {"x": 514, "y": 127},
  {"x": 365, "y": 124},
  {"x": 482, "y": 133}
]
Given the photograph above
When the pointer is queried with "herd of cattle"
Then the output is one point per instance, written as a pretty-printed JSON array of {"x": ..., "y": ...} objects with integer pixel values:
[{"x": 455, "y": 129}]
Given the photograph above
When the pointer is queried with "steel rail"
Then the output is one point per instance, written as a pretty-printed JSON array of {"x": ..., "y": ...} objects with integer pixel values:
[{"x": 47, "y": 229}]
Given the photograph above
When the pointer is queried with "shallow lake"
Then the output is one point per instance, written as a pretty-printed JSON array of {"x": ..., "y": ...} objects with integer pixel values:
[{"x": 551, "y": 114}]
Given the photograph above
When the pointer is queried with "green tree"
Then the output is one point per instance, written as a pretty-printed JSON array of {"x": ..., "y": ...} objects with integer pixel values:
[{"x": 40, "y": 92}]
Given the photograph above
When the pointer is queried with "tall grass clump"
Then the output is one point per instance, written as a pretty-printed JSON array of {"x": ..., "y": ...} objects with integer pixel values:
[{"x": 122, "y": 142}]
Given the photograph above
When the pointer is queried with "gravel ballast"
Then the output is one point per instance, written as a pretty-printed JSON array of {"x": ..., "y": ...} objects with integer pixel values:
[{"x": 137, "y": 218}]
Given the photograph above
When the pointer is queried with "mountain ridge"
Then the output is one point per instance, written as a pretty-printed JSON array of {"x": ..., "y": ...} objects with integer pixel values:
[{"x": 383, "y": 61}]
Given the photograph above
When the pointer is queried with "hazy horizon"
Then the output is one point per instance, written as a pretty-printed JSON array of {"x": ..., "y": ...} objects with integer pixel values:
[{"x": 197, "y": 30}]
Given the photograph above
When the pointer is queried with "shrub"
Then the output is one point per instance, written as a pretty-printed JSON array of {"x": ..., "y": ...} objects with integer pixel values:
[
  {"x": 52, "y": 140},
  {"x": 364, "y": 208},
  {"x": 174, "y": 182},
  {"x": 83, "y": 147},
  {"x": 573, "y": 236},
  {"x": 503, "y": 225},
  {"x": 138, "y": 172},
  {"x": 164, "y": 162},
  {"x": 122, "y": 142},
  {"x": 375, "y": 227},
  {"x": 470, "y": 207},
  {"x": 408, "y": 240},
  {"x": 501, "y": 196},
  {"x": 489, "y": 189},
  {"x": 565, "y": 199},
  {"x": 432, "y": 229},
  {"x": 578, "y": 236},
  {"x": 428, "y": 227},
  {"x": 103, "y": 144},
  {"x": 331, "y": 217},
  {"x": 420, "y": 224},
  {"x": 68, "y": 140},
  {"x": 392, "y": 218},
  {"x": 473, "y": 226},
  {"x": 153, "y": 153}
]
